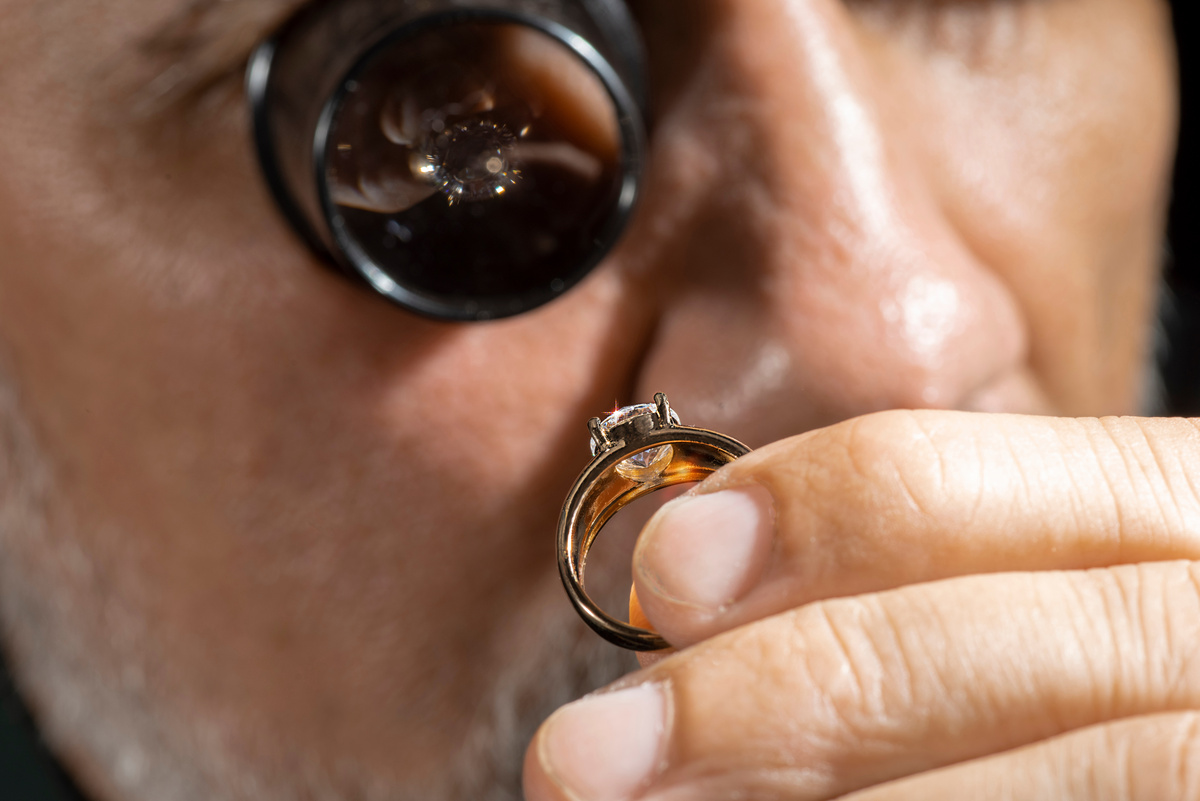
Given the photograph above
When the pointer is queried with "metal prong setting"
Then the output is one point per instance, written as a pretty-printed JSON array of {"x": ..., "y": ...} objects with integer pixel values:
[
  {"x": 664, "y": 410},
  {"x": 599, "y": 438},
  {"x": 631, "y": 423}
]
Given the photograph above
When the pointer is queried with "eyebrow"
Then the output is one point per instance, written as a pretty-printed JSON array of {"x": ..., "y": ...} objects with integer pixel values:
[{"x": 203, "y": 44}]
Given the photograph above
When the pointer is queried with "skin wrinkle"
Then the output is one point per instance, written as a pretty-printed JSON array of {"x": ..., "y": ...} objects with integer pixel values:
[
  {"x": 806, "y": 751},
  {"x": 894, "y": 631},
  {"x": 1191, "y": 480},
  {"x": 1081, "y": 633},
  {"x": 1171, "y": 507},
  {"x": 1018, "y": 464},
  {"x": 1186, "y": 756},
  {"x": 1057, "y": 719},
  {"x": 852, "y": 668},
  {"x": 1168, "y": 463},
  {"x": 1172, "y": 640},
  {"x": 1189, "y": 667},
  {"x": 868, "y": 703},
  {"x": 915, "y": 491},
  {"x": 1126, "y": 774},
  {"x": 934, "y": 452},
  {"x": 1124, "y": 598},
  {"x": 1080, "y": 508},
  {"x": 1131, "y": 465},
  {"x": 1155, "y": 614},
  {"x": 859, "y": 441},
  {"x": 1084, "y": 591},
  {"x": 1195, "y": 494},
  {"x": 783, "y": 658},
  {"x": 1142, "y": 631},
  {"x": 1098, "y": 439},
  {"x": 945, "y": 693}
]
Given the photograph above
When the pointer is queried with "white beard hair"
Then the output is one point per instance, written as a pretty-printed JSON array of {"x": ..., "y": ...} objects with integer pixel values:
[{"x": 89, "y": 693}]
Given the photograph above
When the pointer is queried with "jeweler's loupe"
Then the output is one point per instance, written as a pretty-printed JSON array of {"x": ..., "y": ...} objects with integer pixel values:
[{"x": 469, "y": 160}]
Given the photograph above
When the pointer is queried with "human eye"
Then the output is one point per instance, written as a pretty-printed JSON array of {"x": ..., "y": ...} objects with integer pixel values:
[{"x": 468, "y": 161}]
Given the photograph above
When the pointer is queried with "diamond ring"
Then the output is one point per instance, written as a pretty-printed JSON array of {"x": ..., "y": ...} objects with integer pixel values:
[{"x": 636, "y": 451}]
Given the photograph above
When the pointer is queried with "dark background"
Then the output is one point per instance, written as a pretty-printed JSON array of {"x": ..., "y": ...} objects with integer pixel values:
[
  {"x": 1181, "y": 317},
  {"x": 28, "y": 774}
]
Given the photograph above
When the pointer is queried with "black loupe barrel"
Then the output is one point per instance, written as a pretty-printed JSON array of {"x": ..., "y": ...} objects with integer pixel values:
[{"x": 468, "y": 160}]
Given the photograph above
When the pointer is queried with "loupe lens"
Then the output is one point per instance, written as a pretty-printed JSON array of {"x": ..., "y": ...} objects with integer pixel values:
[
  {"x": 468, "y": 159},
  {"x": 475, "y": 169}
]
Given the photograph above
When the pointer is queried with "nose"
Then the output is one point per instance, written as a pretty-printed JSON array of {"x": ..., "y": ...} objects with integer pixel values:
[{"x": 807, "y": 266}]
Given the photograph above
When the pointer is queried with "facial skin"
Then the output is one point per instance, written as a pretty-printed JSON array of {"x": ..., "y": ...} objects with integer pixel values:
[{"x": 268, "y": 535}]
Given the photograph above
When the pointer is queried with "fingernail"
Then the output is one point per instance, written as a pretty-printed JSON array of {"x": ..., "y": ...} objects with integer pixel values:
[
  {"x": 707, "y": 551},
  {"x": 607, "y": 747}
]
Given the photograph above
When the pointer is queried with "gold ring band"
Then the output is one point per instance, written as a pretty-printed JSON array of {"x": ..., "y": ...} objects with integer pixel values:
[{"x": 637, "y": 450}]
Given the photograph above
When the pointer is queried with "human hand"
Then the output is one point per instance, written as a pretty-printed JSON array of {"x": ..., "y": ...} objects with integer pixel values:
[{"x": 914, "y": 606}]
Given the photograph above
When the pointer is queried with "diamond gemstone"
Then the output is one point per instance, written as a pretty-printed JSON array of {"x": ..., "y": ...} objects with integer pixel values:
[
  {"x": 647, "y": 465},
  {"x": 641, "y": 419},
  {"x": 629, "y": 414},
  {"x": 472, "y": 160}
]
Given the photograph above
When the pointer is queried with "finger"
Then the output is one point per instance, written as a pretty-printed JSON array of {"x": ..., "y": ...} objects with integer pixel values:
[
  {"x": 847, "y": 694},
  {"x": 1155, "y": 758},
  {"x": 903, "y": 497}
]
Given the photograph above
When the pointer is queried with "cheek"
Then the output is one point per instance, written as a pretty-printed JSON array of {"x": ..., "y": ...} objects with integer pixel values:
[
  {"x": 166, "y": 274},
  {"x": 1058, "y": 124},
  {"x": 496, "y": 406},
  {"x": 244, "y": 435}
]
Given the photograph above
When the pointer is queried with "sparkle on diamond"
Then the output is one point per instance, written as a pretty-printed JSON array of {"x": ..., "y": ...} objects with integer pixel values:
[{"x": 627, "y": 415}]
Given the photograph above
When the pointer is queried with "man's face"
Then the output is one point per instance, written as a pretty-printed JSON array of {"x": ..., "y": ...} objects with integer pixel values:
[{"x": 295, "y": 535}]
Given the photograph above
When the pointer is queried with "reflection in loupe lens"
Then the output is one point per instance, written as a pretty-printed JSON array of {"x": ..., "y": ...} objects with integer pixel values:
[{"x": 479, "y": 160}]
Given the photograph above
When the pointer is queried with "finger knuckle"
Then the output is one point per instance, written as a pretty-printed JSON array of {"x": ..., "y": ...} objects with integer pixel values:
[
  {"x": 855, "y": 660},
  {"x": 895, "y": 460}
]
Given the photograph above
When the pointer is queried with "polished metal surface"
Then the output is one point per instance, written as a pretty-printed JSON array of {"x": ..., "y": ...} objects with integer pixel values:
[{"x": 602, "y": 490}]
